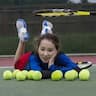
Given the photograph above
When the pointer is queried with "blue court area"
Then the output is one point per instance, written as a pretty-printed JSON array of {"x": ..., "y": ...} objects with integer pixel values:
[{"x": 47, "y": 87}]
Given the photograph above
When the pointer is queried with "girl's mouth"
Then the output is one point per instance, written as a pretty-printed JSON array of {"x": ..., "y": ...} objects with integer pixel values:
[{"x": 45, "y": 59}]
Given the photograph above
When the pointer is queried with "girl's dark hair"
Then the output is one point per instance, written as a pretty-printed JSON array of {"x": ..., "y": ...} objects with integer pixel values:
[{"x": 51, "y": 37}]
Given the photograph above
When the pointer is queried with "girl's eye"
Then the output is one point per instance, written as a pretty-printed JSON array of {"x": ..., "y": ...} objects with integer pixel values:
[
  {"x": 50, "y": 50},
  {"x": 42, "y": 49}
]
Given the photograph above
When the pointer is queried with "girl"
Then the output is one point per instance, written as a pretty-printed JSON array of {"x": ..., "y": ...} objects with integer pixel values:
[{"x": 46, "y": 57}]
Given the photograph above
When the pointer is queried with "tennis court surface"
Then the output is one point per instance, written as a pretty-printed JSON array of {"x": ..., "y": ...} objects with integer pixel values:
[{"x": 46, "y": 87}]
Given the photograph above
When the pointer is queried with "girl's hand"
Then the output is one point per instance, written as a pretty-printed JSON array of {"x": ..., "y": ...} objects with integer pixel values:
[{"x": 52, "y": 59}]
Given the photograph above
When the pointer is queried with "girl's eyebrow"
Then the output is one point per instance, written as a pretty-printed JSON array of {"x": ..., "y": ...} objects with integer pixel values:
[{"x": 42, "y": 48}]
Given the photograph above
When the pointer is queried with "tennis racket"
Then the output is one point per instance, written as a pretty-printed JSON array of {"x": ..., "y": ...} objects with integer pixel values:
[
  {"x": 84, "y": 64},
  {"x": 62, "y": 12}
]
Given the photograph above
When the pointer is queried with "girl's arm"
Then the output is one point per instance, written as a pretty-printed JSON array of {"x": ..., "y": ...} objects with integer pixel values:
[{"x": 67, "y": 64}]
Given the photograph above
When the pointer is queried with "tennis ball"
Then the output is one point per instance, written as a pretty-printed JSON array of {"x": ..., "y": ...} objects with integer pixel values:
[
  {"x": 75, "y": 72},
  {"x": 84, "y": 75},
  {"x": 15, "y": 72},
  {"x": 20, "y": 76},
  {"x": 30, "y": 74},
  {"x": 56, "y": 75},
  {"x": 37, "y": 75},
  {"x": 25, "y": 72},
  {"x": 7, "y": 75},
  {"x": 70, "y": 75}
]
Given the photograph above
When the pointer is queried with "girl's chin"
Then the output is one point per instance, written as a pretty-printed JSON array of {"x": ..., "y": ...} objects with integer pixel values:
[{"x": 45, "y": 61}]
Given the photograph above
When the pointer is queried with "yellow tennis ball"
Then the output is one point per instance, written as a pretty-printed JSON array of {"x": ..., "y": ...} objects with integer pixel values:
[
  {"x": 75, "y": 72},
  {"x": 37, "y": 75},
  {"x": 70, "y": 75},
  {"x": 20, "y": 76},
  {"x": 84, "y": 75},
  {"x": 57, "y": 75},
  {"x": 30, "y": 74},
  {"x": 15, "y": 72},
  {"x": 25, "y": 72},
  {"x": 7, "y": 75}
]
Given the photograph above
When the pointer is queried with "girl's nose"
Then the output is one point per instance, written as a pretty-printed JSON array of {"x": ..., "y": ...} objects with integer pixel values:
[{"x": 45, "y": 53}]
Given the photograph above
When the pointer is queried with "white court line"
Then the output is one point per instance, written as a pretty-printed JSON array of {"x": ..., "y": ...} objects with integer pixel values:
[
  {"x": 5, "y": 56},
  {"x": 70, "y": 54},
  {"x": 81, "y": 54},
  {"x": 6, "y": 66}
]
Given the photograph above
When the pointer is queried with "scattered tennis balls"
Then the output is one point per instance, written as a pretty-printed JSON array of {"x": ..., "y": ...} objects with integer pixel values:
[
  {"x": 15, "y": 72},
  {"x": 37, "y": 75},
  {"x": 7, "y": 75},
  {"x": 84, "y": 75},
  {"x": 30, "y": 74},
  {"x": 70, "y": 75},
  {"x": 56, "y": 75},
  {"x": 20, "y": 76}
]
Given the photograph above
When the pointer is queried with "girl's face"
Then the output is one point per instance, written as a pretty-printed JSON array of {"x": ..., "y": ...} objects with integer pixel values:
[{"x": 46, "y": 50}]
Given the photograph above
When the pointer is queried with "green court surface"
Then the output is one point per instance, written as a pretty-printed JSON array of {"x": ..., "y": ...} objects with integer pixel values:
[{"x": 47, "y": 87}]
